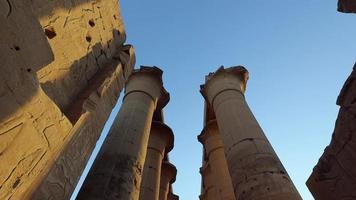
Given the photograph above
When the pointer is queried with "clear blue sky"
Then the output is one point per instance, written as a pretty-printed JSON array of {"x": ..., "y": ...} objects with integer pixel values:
[{"x": 299, "y": 53}]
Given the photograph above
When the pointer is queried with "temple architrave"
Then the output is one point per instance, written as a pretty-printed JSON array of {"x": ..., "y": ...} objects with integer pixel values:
[{"x": 239, "y": 162}]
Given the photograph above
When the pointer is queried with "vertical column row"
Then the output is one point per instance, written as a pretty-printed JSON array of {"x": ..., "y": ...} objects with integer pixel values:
[
  {"x": 160, "y": 143},
  {"x": 256, "y": 172},
  {"x": 214, "y": 153},
  {"x": 118, "y": 169}
]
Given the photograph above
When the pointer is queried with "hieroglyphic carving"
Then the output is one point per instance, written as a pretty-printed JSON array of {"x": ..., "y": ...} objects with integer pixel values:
[{"x": 60, "y": 76}]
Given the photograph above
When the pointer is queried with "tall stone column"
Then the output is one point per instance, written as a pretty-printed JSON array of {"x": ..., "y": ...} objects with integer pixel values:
[
  {"x": 160, "y": 142},
  {"x": 117, "y": 170},
  {"x": 214, "y": 150},
  {"x": 209, "y": 190},
  {"x": 168, "y": 176},
  {"x": 255, "y": 169}
]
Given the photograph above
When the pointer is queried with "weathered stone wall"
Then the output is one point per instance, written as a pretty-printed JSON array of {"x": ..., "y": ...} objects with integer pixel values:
[
  {"x": 334, "y": 177},
  {"x": 347, "y": 6},
  {"x": 62, "y": 66}
]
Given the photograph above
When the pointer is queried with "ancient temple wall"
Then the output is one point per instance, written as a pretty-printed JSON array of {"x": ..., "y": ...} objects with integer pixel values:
[
  {"x": 62, "y": 66},
  {"x": 346, "y": 6},
  {"x": 334, "y": 177}
]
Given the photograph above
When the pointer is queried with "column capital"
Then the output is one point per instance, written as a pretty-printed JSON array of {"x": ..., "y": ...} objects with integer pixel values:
[
  {"x": 169, "y": 171},
  {"x": 211, "y": 128},
  {"x": 232, "y": 78},
  {"x": 164, "y": 132},
  {"x": 149, "y": 81}
]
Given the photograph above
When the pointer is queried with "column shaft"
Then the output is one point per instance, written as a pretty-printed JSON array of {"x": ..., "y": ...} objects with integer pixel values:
[
  {"x": 216, "y": 157},
  {"x": 151, "y": 175},
  {"x": 210, "y": 191},
  {"x": 255, "y": 169},
  {"x": 168, "y": 175},
  {"x": 160, "y": 142},
  {"x": 117, "y": 170}
]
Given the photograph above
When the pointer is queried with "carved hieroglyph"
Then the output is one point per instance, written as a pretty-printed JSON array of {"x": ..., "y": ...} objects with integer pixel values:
[
  {"x": 334, "y": 177},
  {"x": 62, "y": 66}
]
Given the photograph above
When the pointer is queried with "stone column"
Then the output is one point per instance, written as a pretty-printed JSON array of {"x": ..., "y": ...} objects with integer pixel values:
[
  {"x": 160, "y": 142},
  {"x": 117, "y": 170},
  {"x": 209, "y": 189},
  {"x": 168, "y": 176},
  {"x": 255, "y": 169},
  {"x": 214, "y": 150}
]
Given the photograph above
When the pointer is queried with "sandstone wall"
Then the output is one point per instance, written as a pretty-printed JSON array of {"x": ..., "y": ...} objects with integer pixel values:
[
  {"x": 334, "y": 177},
  {"x": 62, "y": 67},
  {"x": 347, "y": 6}
]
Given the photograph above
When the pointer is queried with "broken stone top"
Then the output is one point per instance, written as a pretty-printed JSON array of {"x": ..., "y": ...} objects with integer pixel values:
[
  {"x": 170, "y": 170},
  {"x": 155, "y": 73},
  {"x": 232, "y": 78},
  {"x": 344, "y": 99},
  {"x": 166, "y": 132},
  {"x": 346, "y": 6}
]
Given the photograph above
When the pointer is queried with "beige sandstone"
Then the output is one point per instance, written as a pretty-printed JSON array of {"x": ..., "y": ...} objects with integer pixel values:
[
  {"x": 209, "y": 191},
  {"x": 214, "y": 151},
  {"x": 62, "y": 68},
  {"x": 334, "y": 177},
  {"x": 117, "y": 170},
  {"x": 256, "y": 172},
  {"x": 168, "y": 176},
  {"x": 160, "y": 142}
]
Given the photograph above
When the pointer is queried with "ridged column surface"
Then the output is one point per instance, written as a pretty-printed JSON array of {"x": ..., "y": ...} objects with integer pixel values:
[
  {"x": 256, "y": 172},
  {"x": 117, "y": 170}
]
